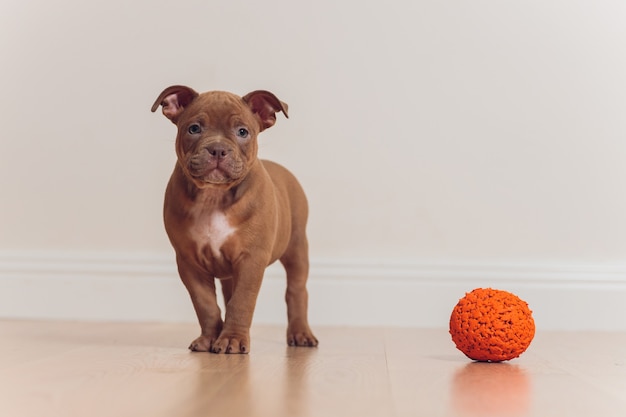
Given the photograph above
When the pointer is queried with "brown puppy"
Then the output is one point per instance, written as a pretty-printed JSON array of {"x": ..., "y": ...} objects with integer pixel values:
[{"x": 229, "y": 215}]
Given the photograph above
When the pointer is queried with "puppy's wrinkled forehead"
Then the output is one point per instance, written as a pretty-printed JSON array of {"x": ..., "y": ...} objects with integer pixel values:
[{"x": 219, "y": 108}]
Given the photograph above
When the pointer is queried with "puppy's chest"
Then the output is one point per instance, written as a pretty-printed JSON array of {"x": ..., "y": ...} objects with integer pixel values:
[
  {"x": 214, "y": 231},
  {"x": 207, "y": 232},
  {"x": 218, "y": 231}
]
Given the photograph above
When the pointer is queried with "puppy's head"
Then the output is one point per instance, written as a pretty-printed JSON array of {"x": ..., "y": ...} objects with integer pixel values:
[{"x": 216, "y": 142}]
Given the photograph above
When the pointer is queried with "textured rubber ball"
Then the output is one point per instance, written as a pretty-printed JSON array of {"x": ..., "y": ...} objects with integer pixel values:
[{"x": 491, "y": 325}]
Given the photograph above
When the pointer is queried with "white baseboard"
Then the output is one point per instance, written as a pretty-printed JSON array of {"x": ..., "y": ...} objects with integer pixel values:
[{"x": 134, "y": 287}]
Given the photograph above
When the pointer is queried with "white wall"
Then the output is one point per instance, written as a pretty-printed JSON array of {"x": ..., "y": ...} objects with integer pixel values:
[{"x": 425, "y": 133}]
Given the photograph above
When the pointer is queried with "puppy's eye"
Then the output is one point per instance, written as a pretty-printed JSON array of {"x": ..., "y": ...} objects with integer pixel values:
[
  {"x": 242, "y": 132},
  {"x": 194, "y": 129}
]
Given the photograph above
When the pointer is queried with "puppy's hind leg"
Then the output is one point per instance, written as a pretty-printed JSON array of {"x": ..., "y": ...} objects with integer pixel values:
[
  {"x": 296, "y": 263},
  {"x": 227, "y": 289}
]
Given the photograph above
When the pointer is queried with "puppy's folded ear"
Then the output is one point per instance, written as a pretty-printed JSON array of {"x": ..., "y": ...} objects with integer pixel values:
[
  {"x": 174, "y": 99},
  {"x": 265, "y": 105}
]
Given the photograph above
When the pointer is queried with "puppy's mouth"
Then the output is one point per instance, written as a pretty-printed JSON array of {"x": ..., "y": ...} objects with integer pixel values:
[{"x": 215, "y": 166}]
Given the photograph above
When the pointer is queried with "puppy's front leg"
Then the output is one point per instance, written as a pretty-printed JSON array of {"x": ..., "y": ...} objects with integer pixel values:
[
  {"x": 202, "y": 292},
  {"x": 235, "y": 336}
]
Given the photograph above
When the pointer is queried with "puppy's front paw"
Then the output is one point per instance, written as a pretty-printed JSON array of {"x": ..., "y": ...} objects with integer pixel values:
[
  {"x": 201, "y": 344},
  {"x": 232, "y": 342}
]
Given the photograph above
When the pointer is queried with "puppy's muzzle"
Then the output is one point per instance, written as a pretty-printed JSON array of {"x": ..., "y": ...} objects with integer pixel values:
[
  {"x": 216, "y": 162},
  {"x": 219, "y": 151}
]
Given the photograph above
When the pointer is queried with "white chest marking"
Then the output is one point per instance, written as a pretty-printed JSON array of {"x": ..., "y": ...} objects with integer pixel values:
[{"x": 219, "y": 231}]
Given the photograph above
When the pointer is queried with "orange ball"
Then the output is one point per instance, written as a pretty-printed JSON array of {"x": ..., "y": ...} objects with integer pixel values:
[{"x": 490, "y": 325}]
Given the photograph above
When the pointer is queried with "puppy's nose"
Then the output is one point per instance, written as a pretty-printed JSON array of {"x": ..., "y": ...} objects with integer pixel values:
[{"x": 219, "y": 150}]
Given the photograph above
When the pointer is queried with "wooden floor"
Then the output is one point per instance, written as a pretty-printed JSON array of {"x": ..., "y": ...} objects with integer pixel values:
[{"x": 84, "y": 369}]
